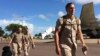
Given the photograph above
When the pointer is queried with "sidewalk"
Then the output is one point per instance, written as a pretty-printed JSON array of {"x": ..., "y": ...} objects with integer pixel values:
[
  {"x": 44, "y": 40},
  {"x": 52, "y": 40},
  {"x": 90, "y": 41}
]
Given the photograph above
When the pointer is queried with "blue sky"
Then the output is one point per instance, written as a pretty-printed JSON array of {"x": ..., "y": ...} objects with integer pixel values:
[{"x": 38, "y": 15}]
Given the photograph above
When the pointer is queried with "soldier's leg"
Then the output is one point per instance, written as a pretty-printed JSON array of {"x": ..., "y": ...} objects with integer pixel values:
[
  {"x": 19, "y": 49},
  {"x": 28, "y": 47},
  {"x": 73, "y": 51},
  {"x": 65, "y": 50},
  {"x": 14, "y": 49},
  {"x": 26, "y": 50}
]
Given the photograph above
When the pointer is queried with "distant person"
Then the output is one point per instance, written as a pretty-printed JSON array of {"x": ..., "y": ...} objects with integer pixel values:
[
  {"x": 26, "y": 41},
  {"x": 66, "y": 31},
  {"x": 16, "y": 42}
]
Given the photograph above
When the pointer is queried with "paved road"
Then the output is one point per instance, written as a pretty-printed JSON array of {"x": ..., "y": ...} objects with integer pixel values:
[{"x": 47, "y": 49}]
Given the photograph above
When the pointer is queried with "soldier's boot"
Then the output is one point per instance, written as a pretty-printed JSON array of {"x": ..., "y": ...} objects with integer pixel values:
[{"x": 26, "y": 52}]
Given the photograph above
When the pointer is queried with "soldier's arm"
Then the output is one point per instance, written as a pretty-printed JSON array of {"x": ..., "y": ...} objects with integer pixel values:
[
  {"x": 80, "y": 35},
  {"x": 23, "y": 38},
  {"x": 56, "y": 38},
  {"x": 32, "y": 41},
  {"x": 12, "y": 36}
]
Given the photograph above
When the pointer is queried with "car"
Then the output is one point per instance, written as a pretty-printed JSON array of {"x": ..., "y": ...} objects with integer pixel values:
[{"x": 86, "y": 36}]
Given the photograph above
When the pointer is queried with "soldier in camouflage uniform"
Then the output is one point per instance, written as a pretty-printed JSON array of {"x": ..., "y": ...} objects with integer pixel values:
[
  {"x": 66, "y": 30},
  {"x": 16, "y": 42},
  {"x": 27, "y": 40}
]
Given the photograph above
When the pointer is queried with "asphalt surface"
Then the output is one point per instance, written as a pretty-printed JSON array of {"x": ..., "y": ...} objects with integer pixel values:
[{"x": 48, "y": 49}]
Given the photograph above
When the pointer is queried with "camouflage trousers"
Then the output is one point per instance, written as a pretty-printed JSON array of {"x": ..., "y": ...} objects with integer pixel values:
[
  {"x": 68, "y": 51},
  {"x": 26, "y": 49},
  {"x": 17, "y": 49}
]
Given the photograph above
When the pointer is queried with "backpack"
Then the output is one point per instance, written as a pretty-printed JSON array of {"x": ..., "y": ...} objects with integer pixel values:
[{"x": 6, "y": 51}]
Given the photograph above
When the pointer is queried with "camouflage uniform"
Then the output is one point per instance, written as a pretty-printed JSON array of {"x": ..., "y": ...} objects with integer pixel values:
[
  {"x": 67, "y": 35},
  {"x": 17, "y": 43},
  {"x": 26, "y": 42}
]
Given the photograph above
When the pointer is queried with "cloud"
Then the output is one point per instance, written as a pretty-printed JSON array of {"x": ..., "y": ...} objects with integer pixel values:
[
  {"x": 60, "y": 13},
  {"x": 81, "y": 1},
  {"x": 40, "y": 29},
  {"x": 87, "y": 1},
  {"x": 5, "y": 22},
  {"x": 41, "y": 16},
  {"x": 33, "y": 29},
  {"x": 98, "y": 16}
]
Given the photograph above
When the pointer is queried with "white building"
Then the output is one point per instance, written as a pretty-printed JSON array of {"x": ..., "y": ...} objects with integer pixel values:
[{"x": 47, "y": 32}]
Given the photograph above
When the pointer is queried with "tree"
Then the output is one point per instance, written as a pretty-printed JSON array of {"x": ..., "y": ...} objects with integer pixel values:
[
  {"x": 98, "y": 22},
  {"x": 14, "y": 27},
  {"x": 40, "y": 34},
  {"x": 1, "y": 32},
  {"x": 6, "y": 35},
  {"x": 36, "y": 34}
]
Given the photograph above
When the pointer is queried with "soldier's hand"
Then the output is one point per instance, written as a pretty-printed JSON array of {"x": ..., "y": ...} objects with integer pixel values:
[
  {"x": 58, "y": 51},
  {"x": 84, "y": 45},
  {"x": 33, "y": 46},
  {"x": 9, "y": 44},
  {"x": 84, "y": 49}
]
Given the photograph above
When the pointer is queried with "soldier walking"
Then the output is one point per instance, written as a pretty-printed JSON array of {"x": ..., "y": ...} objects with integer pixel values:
[
  {"x": 66, "y": 31},
  {"x": 26, "y": 41},
  {"x": 16, "y": 42}
]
